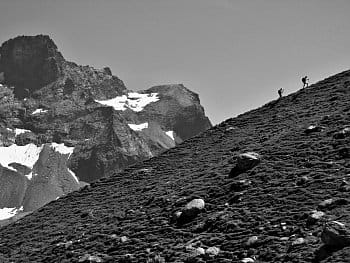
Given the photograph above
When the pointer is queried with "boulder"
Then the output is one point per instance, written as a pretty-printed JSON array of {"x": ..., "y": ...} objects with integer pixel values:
[
  {"x": 336, "y": 234},
  {"x": 342, "y": 134},
  {"x": 191, "y": 210},
  {"x": 245, "y": 162},
  {"x": 313, "y": 128}
]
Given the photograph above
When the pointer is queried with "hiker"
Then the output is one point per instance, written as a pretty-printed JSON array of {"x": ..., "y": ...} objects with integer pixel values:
[
  {"x": 305, "y": 81},
  {"x": 280, "y": 92}
]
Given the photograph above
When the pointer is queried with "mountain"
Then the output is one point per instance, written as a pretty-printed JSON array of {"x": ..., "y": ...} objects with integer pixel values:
[
  {"x": 63, "y": 126},
  {"x": 271, "y": 185}
]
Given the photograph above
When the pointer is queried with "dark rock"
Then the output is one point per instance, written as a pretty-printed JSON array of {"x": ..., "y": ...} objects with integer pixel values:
[
  {"x": 342, "y": 134},
  {"x": 313, "y": 128},
  {"x": 331, "y": 203},
  {"x": 336, "y": 234},
  {"x": 29, "y": 63},
  {"x": 191, "y": 210},
  {"x": 245, "y": 162},
  {"x": 314, "y": 217},
  {"x": 240, "y": 185}
]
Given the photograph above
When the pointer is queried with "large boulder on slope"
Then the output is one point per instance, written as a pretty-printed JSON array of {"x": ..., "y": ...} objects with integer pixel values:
[{"x": 336, "y": 234}]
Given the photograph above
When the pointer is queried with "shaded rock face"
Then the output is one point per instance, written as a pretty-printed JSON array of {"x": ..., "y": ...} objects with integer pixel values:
[
  {"x": 179, "y": 109},
  {"x": 30, "y": 63},
  {"x": 46, "y": 100}
]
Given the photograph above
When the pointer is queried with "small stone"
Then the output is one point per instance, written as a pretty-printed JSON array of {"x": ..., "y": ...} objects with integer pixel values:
[
  {"x": 342, "y": 134},
  {"x": 123, "y": 239},
  {"x": 331, "y": 203},
  {"x": 212, "y": 251},
  {"x": 89, "y": 258},
  {"x": 302, "y": 180},
  {"x": 313, "y": 128},
  {"x": 247, "y": 260},
  {"x": 252, "y": 241},
  {"x": 299, "y": 241},
  {"x": 315, "y": 216},
  {"x": 198, "y": 251},
  {"x": 326, "y": 203}
]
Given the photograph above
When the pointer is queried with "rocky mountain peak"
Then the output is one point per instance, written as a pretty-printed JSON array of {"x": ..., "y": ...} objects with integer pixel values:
[{"x": 29, "y": 63}]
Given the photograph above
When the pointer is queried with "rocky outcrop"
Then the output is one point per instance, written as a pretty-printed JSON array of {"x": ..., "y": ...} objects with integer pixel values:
[
  {"x": 47, "y": 101},
  {"x": 178, "y": 110},
  {"x": 29, "y": 63}
]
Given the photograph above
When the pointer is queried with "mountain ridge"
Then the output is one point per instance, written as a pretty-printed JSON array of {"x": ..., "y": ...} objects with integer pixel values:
[{"x": 63, "y": 125}]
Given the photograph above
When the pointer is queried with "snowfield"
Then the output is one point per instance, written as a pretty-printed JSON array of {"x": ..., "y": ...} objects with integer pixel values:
[
  {"x": 28, "y": 155},
  {"x": 134, "y": 101},
  {"x": 138, "y": 127},
  {"x": 6, "y": 213}
]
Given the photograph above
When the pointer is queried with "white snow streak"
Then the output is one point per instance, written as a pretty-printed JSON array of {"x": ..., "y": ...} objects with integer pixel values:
[
  {"x": 170, "y": 134},
  {"x": 73, "y": 174},
  {"x": 37, "y": 111},
  {"x": 134, "y": 101},
  {"x": 138, "y": 127}
]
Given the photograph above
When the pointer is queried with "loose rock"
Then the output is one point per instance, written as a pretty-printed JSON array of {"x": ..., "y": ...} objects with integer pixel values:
[
  {"x": 191, "y": 210},
  {"x": 247, "y": 260},
  {"x": 252, "y": 241},
  {"x": 313, "y": 128},
  {"x": 245, "y": 162},
  {"x": 299, "y": 241},
  {"x": 89, "y": 258},
  {"x": 314, "y": 217},
  {"x": 342, "y": 134},
  {"x": 212, "y": 251}
]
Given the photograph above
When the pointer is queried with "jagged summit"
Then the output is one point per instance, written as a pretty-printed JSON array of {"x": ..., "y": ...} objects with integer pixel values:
[{"x": 204, "y": 201}]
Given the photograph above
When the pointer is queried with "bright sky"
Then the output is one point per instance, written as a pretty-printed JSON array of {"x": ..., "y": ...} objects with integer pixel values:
[{"x": 235, "y": 53}]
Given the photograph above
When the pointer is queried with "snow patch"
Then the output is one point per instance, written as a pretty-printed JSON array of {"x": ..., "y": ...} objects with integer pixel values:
[
  {"x": 61, "y": 148},
  {"x": 134, "y": 101},
  {"x": 20, "y": 131},
  {"x": 73, "y": 174},
  {"x": 138, "y": 127},
  {"x": 26, "y": 155},
  {"x": 170, "y": 134},
  {"x": 6, "y": 213},
  {"x": 38, "y": 111}
]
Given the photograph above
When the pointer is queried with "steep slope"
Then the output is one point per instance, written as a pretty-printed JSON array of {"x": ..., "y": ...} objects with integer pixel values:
[
  {"x": 265, "y": 214},
  {"x": 63, "y": 125}
]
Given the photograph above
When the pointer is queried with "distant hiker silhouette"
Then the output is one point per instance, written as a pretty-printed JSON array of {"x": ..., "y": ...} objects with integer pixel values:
[
  {"x": 280, "y": 92},
  {"x": 305, "y": 81}
]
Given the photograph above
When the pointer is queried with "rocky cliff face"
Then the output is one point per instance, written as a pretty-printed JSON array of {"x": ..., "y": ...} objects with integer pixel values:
[{"x": 66, "y": 125}]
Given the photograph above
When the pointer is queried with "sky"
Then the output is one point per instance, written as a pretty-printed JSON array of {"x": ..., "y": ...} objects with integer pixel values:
[{"x": 235, "y": 54}]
